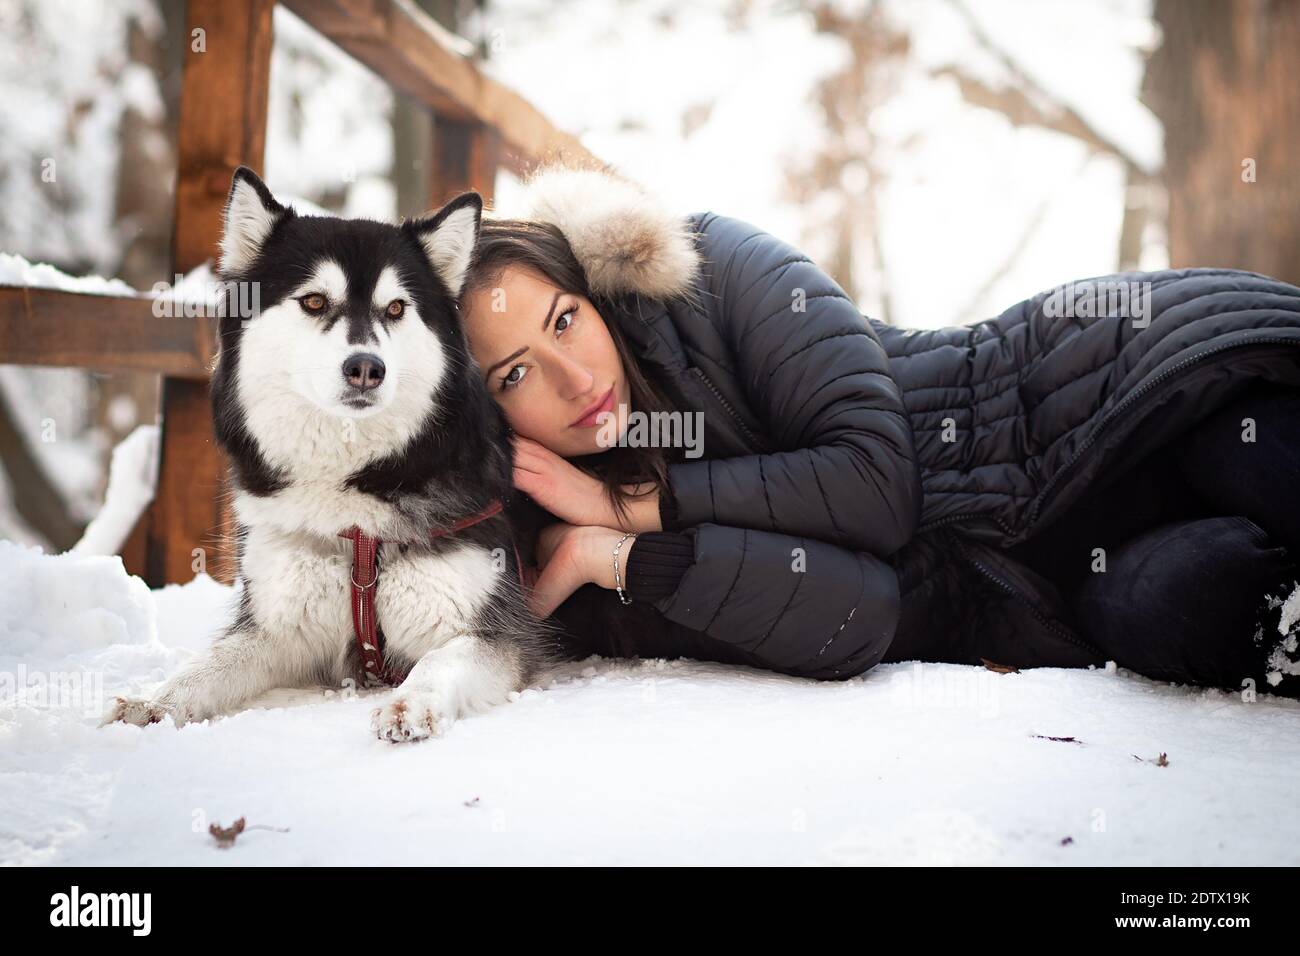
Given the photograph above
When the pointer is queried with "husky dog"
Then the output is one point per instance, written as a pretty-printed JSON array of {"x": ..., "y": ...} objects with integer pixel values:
[{"x": 351, "y": 402}]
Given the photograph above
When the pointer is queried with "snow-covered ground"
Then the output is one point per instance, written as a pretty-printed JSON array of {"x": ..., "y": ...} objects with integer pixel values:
[{"x": 617, "y": 761}]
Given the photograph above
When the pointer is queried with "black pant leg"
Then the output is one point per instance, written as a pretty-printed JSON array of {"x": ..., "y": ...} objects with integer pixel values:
[
  {"x": 1150, "y": 493},
  {"x": 1259, "y": 479},
  {"x": 1185, "y": 602}
]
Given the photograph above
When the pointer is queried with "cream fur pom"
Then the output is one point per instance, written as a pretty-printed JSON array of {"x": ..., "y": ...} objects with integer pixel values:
[{"x": 624, "y": 239}]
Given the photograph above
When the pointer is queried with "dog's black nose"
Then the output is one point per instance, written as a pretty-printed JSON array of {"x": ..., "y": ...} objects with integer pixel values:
[{"x": 364, "y": 371}]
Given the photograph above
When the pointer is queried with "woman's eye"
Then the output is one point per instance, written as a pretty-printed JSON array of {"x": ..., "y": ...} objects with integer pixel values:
[
  {"x": 396, "y": 308},
  {"x": 511, "y": 380},
  {"x": 314, "y": 303}
]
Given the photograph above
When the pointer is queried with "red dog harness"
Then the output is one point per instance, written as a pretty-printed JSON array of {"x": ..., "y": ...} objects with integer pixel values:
[{"x": 365, "y": 577}]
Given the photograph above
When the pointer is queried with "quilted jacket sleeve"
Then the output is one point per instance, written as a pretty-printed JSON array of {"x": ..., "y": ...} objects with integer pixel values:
[
  {"x": 793, "y": 605},
  {"x": 816, "y": 373}
]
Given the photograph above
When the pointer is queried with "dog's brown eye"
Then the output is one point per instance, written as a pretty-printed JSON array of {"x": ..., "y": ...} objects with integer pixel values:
[
  {"x": 396, "y": 308},
  {"x": 314, "y": 302}
]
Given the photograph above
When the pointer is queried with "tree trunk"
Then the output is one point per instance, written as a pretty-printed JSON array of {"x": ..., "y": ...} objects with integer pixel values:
[{"x": 1224, "y": 84}]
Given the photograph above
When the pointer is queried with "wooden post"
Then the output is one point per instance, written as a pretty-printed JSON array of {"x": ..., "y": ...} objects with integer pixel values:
[
  {"x": 222, "y": 124},
  {"x": 465, "y": 156}
]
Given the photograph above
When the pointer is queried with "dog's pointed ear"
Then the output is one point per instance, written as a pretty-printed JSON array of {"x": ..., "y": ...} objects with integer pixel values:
[
  {"x": 449, "y": 236},
  {"x": 251, "y": 214}
]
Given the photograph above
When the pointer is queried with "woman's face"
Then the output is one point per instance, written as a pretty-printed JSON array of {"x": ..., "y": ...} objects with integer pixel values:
[{"x": 548, "y": 360}]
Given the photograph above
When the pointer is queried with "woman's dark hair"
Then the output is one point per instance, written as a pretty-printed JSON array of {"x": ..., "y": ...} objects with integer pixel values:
[{"x": 542, "y": 247}]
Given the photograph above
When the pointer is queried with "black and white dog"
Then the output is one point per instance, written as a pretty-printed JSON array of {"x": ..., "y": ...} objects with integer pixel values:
[{"x": 351, "y": 402}]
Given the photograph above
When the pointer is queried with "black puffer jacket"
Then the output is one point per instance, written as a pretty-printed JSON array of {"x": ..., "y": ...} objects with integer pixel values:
[
  {"x": 859, "y": 479},
  {"x": 1041, "y": 408},
  {"x": 807, "y": 481}
]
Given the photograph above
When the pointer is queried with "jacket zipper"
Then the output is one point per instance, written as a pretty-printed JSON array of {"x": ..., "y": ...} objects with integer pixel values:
[
  {"x": 1076, "y": 639},
  {"x": 749, "y": 435},
  {"x": 965, "y": 516}
]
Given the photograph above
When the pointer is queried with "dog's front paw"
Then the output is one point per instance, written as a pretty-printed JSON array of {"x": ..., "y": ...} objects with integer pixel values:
[
  {"x": 407, "y": 718},
  {"x": 129, "y": 710}
]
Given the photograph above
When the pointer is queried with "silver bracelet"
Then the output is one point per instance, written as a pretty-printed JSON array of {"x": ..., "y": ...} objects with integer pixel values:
[{"x": 618, "y": 581}]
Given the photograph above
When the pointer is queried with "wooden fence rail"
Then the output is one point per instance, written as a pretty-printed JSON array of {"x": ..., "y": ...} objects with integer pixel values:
[{"x": 480, "y": 126}]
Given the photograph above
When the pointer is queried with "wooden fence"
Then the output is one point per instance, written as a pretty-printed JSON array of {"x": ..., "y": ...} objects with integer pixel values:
[{"x": 480, "y": 126}]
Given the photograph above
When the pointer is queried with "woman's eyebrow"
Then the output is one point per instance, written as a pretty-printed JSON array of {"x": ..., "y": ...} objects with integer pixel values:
[
  {"x": 554, "y": 299},
  {"x": 514, "y": 355},
  {"x": 509, "y": 358}
]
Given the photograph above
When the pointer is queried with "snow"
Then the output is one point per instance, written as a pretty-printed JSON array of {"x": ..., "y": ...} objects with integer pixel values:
[
  {"x": 1283, "y": 661},
  {"x": 1084, "y": 56},
  {"x": 616, "y": 761},
  {"x": 1290, "y": 615},
  {"x": 132, "y": 478},
  {"x": 67, "y": 80},
  {"x": 199, "y": 285},
  {"x": 329, "y": 124},
  {"x": 53, "y": 410},
  {"x": 962, "y": 192},
  {"x": 15, "y": 270}
]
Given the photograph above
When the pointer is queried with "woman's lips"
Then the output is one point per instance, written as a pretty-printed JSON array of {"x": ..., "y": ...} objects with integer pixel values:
[{"x": 606, "y": 404}]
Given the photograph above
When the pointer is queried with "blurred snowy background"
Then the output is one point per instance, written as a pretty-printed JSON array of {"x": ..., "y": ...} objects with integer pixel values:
[{"x": 942, "y": 159}]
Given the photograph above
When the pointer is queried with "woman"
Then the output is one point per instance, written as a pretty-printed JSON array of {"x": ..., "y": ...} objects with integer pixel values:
[{"x": 864, "y": 493}]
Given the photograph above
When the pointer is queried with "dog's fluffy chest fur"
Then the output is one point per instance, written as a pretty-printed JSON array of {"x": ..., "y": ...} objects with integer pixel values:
[{"x": 299, "y": 589}]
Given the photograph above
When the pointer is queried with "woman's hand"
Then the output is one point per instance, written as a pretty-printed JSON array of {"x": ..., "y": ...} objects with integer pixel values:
[
  {"x": 576, "y": 497},
  {"x": 561, "y": 488},
  {"x": 558, "y": 573},
  {"x": 570, "y": 556}
]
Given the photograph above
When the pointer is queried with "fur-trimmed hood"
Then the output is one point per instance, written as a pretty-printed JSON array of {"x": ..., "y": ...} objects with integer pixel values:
[{"x": 626, "y": 239}]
